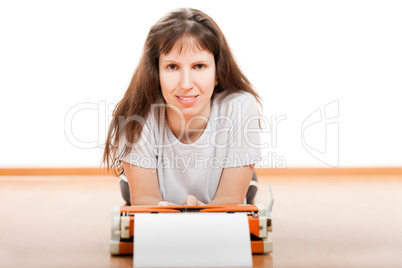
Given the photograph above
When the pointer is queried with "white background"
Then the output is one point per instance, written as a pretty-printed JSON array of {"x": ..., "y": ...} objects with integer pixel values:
[{"x": 299, "y": 55}]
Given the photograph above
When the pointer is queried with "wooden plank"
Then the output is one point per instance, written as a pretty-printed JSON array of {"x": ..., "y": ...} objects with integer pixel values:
[
  {"x": 48, "y": 222},
  {"x": 54, "y": 172},
  {"x": 369, "y": 171},
  {"x": 377, "y": 171}
]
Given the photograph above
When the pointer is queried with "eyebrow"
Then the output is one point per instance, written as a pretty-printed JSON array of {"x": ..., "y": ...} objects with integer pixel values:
[{"x": 196, "y": 62}]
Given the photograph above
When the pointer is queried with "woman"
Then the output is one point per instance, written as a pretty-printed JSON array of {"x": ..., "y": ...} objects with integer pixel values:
[{"x": 182, "y": 132}]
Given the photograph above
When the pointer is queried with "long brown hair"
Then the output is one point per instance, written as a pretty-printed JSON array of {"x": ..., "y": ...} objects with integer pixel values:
[{"x": 144, "y": 88}]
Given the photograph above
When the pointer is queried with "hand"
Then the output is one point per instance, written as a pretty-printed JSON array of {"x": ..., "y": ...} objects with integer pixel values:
[
  {"x": 191, "y": 200},
  {"x": 165, "y": 204}
]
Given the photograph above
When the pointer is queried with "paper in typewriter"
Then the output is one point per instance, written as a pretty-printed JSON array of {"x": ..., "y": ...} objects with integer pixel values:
[{"x": 192, "y": 240}]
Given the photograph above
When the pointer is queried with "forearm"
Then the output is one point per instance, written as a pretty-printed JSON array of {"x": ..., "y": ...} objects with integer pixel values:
[
  {"x": 226, "y": 200},
  {"x": 145, "y": 201}
]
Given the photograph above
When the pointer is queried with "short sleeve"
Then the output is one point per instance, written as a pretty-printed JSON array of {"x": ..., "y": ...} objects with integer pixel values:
[
  {"x": 244, "y": 147},
  {"x": 143, "y": 153}
]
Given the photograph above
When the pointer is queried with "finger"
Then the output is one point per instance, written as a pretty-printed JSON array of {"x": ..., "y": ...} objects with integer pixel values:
[
  {"x": 184, "y": 203},
  {"x": 165, "y": 204},
  {"x": 199, "y": 203},
  {"x": 191, "y": 200}
]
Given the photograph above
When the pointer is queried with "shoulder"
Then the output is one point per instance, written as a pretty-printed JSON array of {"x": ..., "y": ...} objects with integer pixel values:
[
  {"x": 155, "y": 115},
  {"x": 225, "y": 97},
  {"x": 229, "y": 103}
]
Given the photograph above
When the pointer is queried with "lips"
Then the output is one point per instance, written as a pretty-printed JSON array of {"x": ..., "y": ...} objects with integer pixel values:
[
  {"x": 187, "y": 100},
  {"x": 187, "y": 97}
]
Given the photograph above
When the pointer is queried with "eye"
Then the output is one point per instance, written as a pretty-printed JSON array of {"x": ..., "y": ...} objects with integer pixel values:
[
  {"x": 199, "y": 66},
  {"x": 172, "y": 67}
]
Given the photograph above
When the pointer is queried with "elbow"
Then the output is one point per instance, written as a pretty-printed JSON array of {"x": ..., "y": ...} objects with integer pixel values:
[{"x": 227, "y": 201}]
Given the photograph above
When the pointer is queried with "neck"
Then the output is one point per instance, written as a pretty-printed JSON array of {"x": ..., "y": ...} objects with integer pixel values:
[{"x": 187, "y": 129}]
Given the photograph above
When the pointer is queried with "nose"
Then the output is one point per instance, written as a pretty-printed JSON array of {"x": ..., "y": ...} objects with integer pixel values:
[{"x": 186, "y": 81}]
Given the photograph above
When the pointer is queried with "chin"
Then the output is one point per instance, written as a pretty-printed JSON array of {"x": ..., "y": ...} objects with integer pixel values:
[{"x": 189, "y": 114}]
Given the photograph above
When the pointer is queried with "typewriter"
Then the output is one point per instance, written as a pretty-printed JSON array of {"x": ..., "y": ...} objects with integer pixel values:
[{"x": 259, "y": 221}]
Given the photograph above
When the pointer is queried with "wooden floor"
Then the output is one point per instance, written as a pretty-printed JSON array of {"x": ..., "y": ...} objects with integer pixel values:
[{"x": 317, "y": 221}]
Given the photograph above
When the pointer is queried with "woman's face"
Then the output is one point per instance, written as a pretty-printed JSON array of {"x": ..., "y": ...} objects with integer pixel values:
[{"x": 187, "y": 79}]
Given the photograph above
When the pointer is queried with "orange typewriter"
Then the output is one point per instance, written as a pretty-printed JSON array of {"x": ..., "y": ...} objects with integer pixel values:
[{"x": 259, "y": 221}]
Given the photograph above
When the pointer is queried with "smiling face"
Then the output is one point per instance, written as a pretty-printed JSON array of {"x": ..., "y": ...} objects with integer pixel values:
[{"x": 187, "y": 78}]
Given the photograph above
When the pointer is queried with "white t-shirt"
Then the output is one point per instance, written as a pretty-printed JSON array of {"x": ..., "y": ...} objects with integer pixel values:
[{"x": 230, "y": 139}]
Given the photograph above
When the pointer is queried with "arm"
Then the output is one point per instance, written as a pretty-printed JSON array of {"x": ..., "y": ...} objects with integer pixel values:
[
  {"x": 144, "y": 185},
  {"x": 233, "y": 185}
]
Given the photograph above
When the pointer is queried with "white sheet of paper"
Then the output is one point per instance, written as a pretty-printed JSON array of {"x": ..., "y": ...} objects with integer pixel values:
[{"x": 192, "y": 240}]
